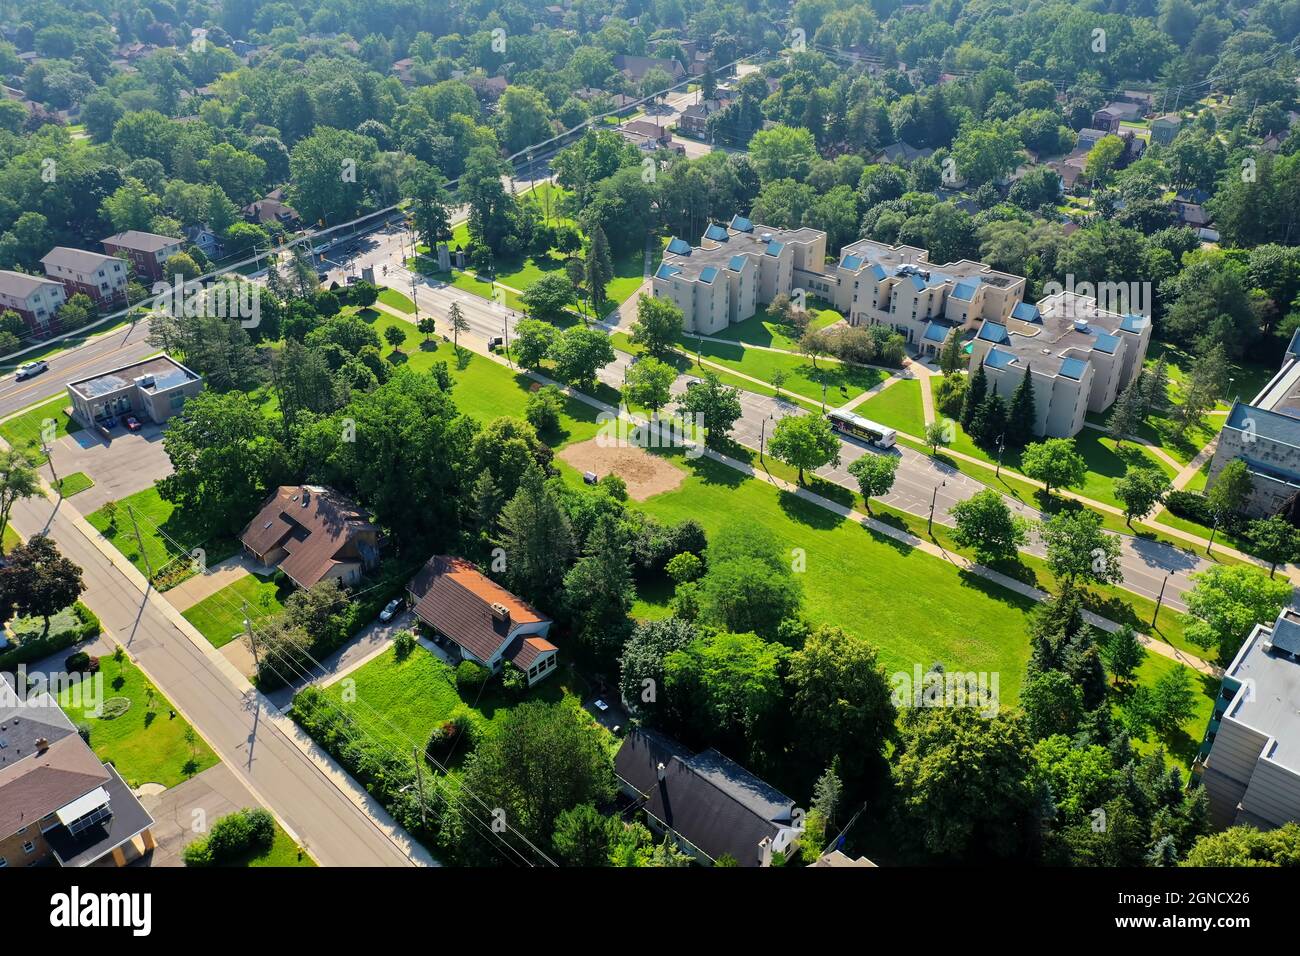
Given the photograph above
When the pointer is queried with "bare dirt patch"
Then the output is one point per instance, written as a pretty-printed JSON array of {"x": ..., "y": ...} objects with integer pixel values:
[{"x": 645, "y": 474}]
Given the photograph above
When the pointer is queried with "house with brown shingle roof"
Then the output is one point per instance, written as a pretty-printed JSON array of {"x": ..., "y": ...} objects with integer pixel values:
[
  {"x": 313, "y": 533},
  {"x": 482, "y": 619}
]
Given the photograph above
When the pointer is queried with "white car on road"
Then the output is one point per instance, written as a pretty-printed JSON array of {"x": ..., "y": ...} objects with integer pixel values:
[{"x": 28, "y": 369}]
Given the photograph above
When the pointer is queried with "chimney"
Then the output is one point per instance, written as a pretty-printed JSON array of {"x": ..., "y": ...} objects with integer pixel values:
[
  {"x": 42, "y": 745},
  {"x": 662, "y": 771},
  {"x": 765, "y": 851},
  {"x": 306, "y": 496},
  {"x": 501, "y": 613}
]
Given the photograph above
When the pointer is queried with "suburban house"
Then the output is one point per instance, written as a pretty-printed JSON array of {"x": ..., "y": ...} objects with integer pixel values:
[
  {"x": 484, "y": 621},
  {"x": 1265, "y": 434},
  {"x": 205, "y": 240},
  {"x": 153, "y": 390},
  {"x": 646, "y": 134},
  {"x": 1165, "y": 127},
  {"x": 635, "y": 68},
  {"x": 272, "y": 210},
  {"x": 1249, "y": 762},
  {"x": 101, "y": 277},
  {"x": 312, "y": 534},
  {"x": 1110, "y": 116},
  {"x": 34, "y": 298},
  {"x": 60, "y": 804},
  {"x": 710, "y": 805},
  {"x": 695, "y": 118},
  {"x": 148, "y": 252},
  {"x": 902, "y": 153},
  {"x": 1080, "y": 355}
]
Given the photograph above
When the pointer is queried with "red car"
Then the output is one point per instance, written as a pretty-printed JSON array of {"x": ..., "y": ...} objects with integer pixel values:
[{"x": 133, "y": 423}]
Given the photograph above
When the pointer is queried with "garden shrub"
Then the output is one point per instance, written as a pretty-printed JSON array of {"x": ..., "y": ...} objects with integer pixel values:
[{"x": 471, "y": 676}]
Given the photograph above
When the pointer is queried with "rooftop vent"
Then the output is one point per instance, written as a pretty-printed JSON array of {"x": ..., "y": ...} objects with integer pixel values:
[
  {"x": 42, "y": 745},
  {"x": 661, "y": 770},
  {"x": 1081, "y": 325},
  {"x": 306, "y": 497},
  {"x": 500, "y": 612},
  {"x": 767, "y": 237}
]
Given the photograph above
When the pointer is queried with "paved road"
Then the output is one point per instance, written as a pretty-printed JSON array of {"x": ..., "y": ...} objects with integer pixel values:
[
  {"x": 231, "y": 719},
  {"x": 120, "y": 347}
]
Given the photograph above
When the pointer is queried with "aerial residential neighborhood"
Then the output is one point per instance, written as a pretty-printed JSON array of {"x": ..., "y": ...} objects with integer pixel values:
[{"x": 608, "y": 434}]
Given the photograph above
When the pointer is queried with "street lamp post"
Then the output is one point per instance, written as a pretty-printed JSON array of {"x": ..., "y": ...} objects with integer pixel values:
[
  {"x": 1160, "y": 600},
  {"x": 762, "y": 436},
  {"x": 929, "y": 522},
  {"x": 1001, "y": 445}
]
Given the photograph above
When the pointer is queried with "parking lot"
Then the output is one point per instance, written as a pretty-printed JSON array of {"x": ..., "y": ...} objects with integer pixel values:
[{"x": 125, "y": 463}]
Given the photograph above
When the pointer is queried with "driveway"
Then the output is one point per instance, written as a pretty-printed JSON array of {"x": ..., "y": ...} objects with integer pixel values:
[
  {"x": 121, "y": 466},
  {"x": 199, "y": 801}
]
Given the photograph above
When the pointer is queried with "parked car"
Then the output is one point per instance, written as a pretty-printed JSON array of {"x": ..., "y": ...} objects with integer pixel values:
[
  {"x": 390, "y": 609},
  {"x": 109, "y": 422},
  {"x": 133, "y": 423},
  {"x": 28, "y": 369}
]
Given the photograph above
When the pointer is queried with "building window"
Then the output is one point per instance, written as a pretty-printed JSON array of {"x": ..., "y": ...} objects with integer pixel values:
[
  {"x": 29, "y": 847},
  {"x": 3, "y": 862}
]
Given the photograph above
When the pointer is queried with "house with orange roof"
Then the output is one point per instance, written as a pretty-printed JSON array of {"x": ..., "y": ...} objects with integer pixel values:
[{"x": 484, "y": 621}]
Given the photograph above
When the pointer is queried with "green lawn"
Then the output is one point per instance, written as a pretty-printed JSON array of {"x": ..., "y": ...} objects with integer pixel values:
[
  {"x": 763, "y": 329},
  {"x": 898, "y": 406},
  {"x": 220, "y": 617},
  {"x": 843, "y": 382},
  {"x": 75, "y": 483},
  {"x": 145, "y": 744},
  {"x": 400, "y": 702},
  {"x": 26, "y": 430},
  {"x": 156, "y": 518},
  {"x": 11, "y": 538},
  {"x": 397, "y": 300},
  {"x": 1182, "y": 742}
]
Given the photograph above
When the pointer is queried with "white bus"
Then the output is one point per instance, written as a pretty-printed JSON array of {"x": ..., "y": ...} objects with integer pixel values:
[{"x": 879, "y": 435}]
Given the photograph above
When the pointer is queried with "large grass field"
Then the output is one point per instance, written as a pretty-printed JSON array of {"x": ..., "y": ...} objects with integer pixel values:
[
  {"x": 25, "y": 431},
  {"x": 164, "y": 533},
  {"x": 144, "y": 744},
  {"x": 898, "y": 406},
  {"x": 764, "y": 329},
  {"x": 220, "y": 617}
]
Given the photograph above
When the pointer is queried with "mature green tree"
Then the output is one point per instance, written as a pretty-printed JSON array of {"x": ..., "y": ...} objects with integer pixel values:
[
  {"x": 549, "y": 298},
  {"x": 18, "y": 480},
  {"x": 951, "y": 358},
  {"x": 1173, "y": 698},
  {"x": 716, "y": 407},
  {"x": 582, "y": 836},
  {"x": 598, "y": 589},
  {"x": 804, "y": 442},
  {"x": 1078, "y": 548},
  {"x": 648, "y": 384},
  {"x": 1248, "y": 846},
  {"x": 579, "y": 353},
  {"x": 537, "y": 540},
  {"x": 1274, "y": 539},
  {"x": 749, "y": 585},
  {"x": 1022, "y": 413},
  {"x": 783, "y": 152},
  {"x": 840, "y": 697},
  {"x": 875, "y": 475},
  {"x": 937, "y": 435},
  {"x": 598, "y": 269},
  {"x": 327, "y": 174},
  {"x": 224, "y": 460},
  {"x": 1139, "y": 490},
  {"x": 1231, "y": 489},
  {"x": 506, "y": 448},
  {"x": 1127, "y": 415},
  {"x": 641, "y": 665},
  {"x": 658, "y": 325},
  {"x": 986, "y": 525},
  {"x": 1123, "y": 653},
  {"x": 541, "y": 760},
  {"x": 962, "y": 782},
  {"x": 1055, "y": 463},
  {"x": 37, "y": 581},
  {"x": 975, "y": 394},
  {"x": 1226, "y": 602},
  {"x": 533, "y": 342},
  {"x": 1053, "y": 704}
]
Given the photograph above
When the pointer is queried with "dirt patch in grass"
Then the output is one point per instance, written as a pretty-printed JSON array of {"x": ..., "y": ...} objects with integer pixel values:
[{"x": 645, "y": 474}]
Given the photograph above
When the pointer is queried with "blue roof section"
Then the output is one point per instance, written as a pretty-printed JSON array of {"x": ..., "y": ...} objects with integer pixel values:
[
  {"x": 774, "y": 248},
  {"x": 917, "y": 281},
  {"x": 679, "y": 247},
  {"x": 717, "y": 233},
  {"x": 1265, "y": 424},
  {"x": 741, "y": 224},
  {"x": 666, "y": 271},
  {"x": 1107, "y": 343},
  {"x": 854, "y": 263},
  {"x": 993, "y": 332},
  {"x": 938, "y": 278},
  {"x": 878, "y": 271},
  {"x": 965, "y": 291},
  {"x": 1074, "y": 368},
  {"x": 708, "y": 274},
  {"x": 1026, "y": 312},
  {"x": 934, "y": 332},
  {"x": 1132, "y": 323},
  {"x": 736, "y": 264},
  {"x": 999, "y": 359}
]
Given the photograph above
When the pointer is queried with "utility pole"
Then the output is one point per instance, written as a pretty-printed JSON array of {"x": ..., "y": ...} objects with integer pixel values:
[
  {"x": 505, "y": 336},
  {"x": 49, "y": 460},
  {"x": 252, "y": 638},
  {"x": 1160, "y": 600},
  {"x": 139, "y": 543},
  {"x": 823, "y": 396},
  {"x": 1213, "y": 531},
  {"x": 419, "y": 782},
  {"x": 929, "y": 522},
  {"x": 1001, "y": 445}
]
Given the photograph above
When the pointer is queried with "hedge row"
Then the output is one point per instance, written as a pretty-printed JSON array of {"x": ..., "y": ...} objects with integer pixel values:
[{"x": 30, "y": 650}]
